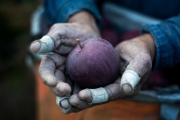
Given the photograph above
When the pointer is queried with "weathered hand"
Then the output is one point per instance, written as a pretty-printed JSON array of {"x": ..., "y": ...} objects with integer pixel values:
[
  {"x": 136, "y": 57},
  {"x": 64, "y": 38},
  {"x": 60, "y": 40}
]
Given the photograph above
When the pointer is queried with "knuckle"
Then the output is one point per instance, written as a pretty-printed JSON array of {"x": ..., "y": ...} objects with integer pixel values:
[
  {"x": 47, "y": 79},
  {"x": 74, "y": 101},
  {"x": 147, "y": 61},
  {"x": 55, "y": 91},
  {"x": 63, "y": 88},
  {"x": 55, "y": 26}
]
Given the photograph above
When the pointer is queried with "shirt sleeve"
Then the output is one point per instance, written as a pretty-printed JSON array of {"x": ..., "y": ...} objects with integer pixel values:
[
  {"x": 166, "y": 36},
  {"x": 59, "y": 11}
]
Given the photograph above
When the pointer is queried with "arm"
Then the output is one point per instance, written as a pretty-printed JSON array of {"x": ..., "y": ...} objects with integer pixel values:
[
  {"x": 59, "y": 11},
  {"x": 61, "y": 40},
  {"x": 166, "y": 36},
  {"x": 161, "y": 46}
]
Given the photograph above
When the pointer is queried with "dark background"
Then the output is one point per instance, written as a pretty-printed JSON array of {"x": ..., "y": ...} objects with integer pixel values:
[{"x": 17, "y": 82}]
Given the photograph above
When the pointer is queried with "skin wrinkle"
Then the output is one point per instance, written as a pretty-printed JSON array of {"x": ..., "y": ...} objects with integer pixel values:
[
  {"x": 64, "y": 50},
  {"x": 52, "y": 68},
  {"x": 59, "y": 75},
  {"x": 56, "y": 58},
  {"x": 45, "y": 81},
  {"x": 74, "y": 101},
  {"x": 123, "y": 65},
  {"x": 61, "y": 68},
  {"x": 58, "y": 93},
  {"x": 44, "y": 71},
  {"x": 128, "y": 51},
  {"x": 61, "y": 89},
  {"x": 144, "y": 61},
  {"x": 64, "y": 35}
]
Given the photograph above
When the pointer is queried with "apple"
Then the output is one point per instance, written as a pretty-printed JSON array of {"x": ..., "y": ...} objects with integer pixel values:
[{"x": 93, "y": 63}]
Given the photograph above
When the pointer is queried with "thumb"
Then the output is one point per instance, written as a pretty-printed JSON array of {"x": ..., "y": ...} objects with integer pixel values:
[
  {"x": 135, "y": 73},
  {"x": 44, "y": 45}
]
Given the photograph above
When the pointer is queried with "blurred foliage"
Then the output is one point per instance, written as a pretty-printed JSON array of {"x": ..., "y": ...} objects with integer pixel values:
[
  {"x": 17, "y": 83},
  {"x": 14, "y": 31}
]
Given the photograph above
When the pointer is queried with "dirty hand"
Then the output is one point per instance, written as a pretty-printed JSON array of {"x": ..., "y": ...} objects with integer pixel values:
[
  {"x": 136, "y": 56},
  {"x": 57, "y": 44}
]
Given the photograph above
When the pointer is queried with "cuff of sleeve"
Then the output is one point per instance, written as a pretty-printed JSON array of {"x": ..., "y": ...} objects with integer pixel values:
[
  {"x": 72, "y": 6},
  {"x": 161, "y": 45}
]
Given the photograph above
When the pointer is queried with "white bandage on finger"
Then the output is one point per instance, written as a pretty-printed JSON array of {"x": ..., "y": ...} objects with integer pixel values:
[
  {"x": 58, "y": 102},
  {"x": 47, "y": 45},
  {"x": 130, "y": 77},
  {"x": 99, "y": 95}
]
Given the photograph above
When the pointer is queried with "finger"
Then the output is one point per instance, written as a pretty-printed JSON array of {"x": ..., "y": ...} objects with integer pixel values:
[
  {"x": 63, "y": 103},
  {"x": 48, "y": 71},
  {"x": 86, "y": 95},
  {"x": 138, "y": 68},
  {"x": 74, "y": 104},
  {"x": 77, "y": 103},
  {"x": 64, "y": 91},
  {"x": 76, "y": 89},
  {"x": 64, "y": 50},
  {"x": 62, "y": 100},
  {"x": 59, "y": 34},
  {"x": 94, "y": 96},
  {"x": 63, "y": 87},
  {"x": 74, "y": 101},
  {"x": 44, "y": 45},
  {"x": 63, "y": 34},
  {"x": 114, "y": 91},
  {"x": 129, "y": 80}
]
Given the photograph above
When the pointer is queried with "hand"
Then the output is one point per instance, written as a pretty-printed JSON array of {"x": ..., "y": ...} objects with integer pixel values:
[
  {"x": 60, "y": 40},
  {"x": 135, "y": 55}
]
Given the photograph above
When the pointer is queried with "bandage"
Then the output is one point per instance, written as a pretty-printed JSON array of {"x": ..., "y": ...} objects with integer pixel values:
[
  {"x": 99, "y": 95},
  {"x": 47, "y": 45},
  {"x": 130, "y": 77},
  {"x": 58, "y": 102}
]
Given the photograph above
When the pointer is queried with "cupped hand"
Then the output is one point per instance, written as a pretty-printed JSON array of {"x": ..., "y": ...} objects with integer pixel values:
[
  {"x": 64, "y": 38},
  {"x": 136, "y": 56},
  {"x": 57, "y": 44}
]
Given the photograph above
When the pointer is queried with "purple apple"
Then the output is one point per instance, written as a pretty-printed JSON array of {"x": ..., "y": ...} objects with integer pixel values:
[{"x": 93, "y": 63}]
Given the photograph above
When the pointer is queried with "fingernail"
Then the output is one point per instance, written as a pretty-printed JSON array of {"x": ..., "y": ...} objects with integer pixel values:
[
  {"x": 35, "y": 46},
  {"x": 127, "y": 89},
  {"x": 129, "y": 80},
  {"x": 65, "y": 104},
  {"x": 85, "y": 95}
]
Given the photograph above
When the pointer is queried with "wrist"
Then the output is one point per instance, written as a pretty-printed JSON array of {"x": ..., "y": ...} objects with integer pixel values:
[
  {"x": 148, "y": 40},
  {"x": 84, "y": 17}
]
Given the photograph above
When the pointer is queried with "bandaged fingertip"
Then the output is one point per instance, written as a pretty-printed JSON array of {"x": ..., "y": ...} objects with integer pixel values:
[
  {"x": 47, "y": 45},
  {"x": 59, "y": 100},
  {"x": 99, "y": 95},
  {"x": 129, "y": 80}
]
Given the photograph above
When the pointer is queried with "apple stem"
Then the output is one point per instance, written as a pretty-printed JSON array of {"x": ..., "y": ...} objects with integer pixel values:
[{"x": 78, "y": 41}]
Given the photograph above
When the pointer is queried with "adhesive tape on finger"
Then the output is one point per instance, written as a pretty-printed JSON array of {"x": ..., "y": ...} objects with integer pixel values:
[
  {"x": 99, "y": 95},
  {"x": 47, "y": 45},
  {"x": 58, "y": 102},
  {"x": 130, "y": 77}
]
